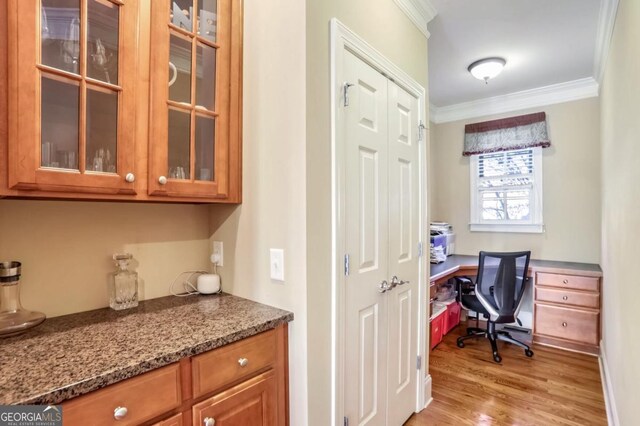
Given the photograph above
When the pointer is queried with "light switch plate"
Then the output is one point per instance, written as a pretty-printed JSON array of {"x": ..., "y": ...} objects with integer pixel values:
[{"x": 277, "y": 264}]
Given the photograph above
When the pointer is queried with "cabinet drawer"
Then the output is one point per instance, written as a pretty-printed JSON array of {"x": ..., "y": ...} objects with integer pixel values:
[
  {"x": 220, "y": 367},
  {"x": 576, "y": 282},
  {"x": 144, "y": 397},
  {"x": 250, "y": 403},
  {"x": 567, "y": 323},
  {"x": 171, "y": 421},
  {"x": 568, "y": 297}
]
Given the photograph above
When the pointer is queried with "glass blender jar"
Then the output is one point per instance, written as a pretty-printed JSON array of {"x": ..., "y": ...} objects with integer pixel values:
[{"x": 13, "y": 318}]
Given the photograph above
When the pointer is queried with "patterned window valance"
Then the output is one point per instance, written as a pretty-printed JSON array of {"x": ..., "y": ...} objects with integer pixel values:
[{"x": 525, "y": 131}]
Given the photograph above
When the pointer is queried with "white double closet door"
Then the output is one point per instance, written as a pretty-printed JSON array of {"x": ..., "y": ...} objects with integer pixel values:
[{"x": 382, "y": 183}]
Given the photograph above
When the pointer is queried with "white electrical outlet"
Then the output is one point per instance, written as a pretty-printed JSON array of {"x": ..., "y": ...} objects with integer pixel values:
[
  {"x": 277, "y": 264},
  {"x": 218, "y": 253}
]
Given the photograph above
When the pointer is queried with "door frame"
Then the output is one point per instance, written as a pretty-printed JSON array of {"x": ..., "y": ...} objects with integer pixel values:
[{"x": 342, "y": 38}]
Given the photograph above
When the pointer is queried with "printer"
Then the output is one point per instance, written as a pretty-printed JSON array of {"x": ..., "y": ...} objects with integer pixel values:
[{"x": 442, "y": 235}]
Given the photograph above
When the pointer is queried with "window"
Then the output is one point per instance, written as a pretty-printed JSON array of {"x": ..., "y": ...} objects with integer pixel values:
[{"x": 506, "y": 191}]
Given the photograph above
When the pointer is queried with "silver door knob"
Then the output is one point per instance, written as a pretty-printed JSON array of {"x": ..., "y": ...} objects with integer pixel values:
[
  {"x": 120, "y": 413},
  {"x": 209, "y": 421},
  {"x": 130, "y": 177},
  {"x": 384, "y": 287},
  {"x": 162, "y": 180},
  {"x": 243, "y": 362}
]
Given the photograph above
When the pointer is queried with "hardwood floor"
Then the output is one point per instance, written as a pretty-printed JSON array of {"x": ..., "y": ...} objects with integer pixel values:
[{"x": 554, "y": 387}]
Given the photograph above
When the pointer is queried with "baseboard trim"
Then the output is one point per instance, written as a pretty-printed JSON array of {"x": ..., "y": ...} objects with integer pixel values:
[
  {"x": 427, "y": 391},
  {"x": 607, "y": 390}
]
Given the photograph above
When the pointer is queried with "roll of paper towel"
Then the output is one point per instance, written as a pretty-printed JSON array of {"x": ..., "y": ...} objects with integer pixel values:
[{"x": 208, "y": 284}]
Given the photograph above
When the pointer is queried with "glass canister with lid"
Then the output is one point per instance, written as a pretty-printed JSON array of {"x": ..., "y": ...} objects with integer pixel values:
[
  {"x": 124, "y": 284},
  {"x": 14, "y": 318}
]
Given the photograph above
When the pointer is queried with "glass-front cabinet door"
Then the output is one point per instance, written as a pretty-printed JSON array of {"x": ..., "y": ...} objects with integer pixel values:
[
  {"x": 191, "y": 123},
  {"x": 72, "y": 100}
]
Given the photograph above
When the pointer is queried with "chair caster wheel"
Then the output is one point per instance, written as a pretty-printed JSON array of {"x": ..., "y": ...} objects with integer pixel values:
[
  {"x": 460, "y": 344},
  {"x": 497, "y": 358},
  {"x": 528, "y": 352}
]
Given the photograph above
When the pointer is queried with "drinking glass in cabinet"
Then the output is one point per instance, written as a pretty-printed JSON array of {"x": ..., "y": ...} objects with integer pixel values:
[
  {"x": 60, "y": 34},
  {"x": 179, "y": 144},
  {"x": 59, "y": 123},
  {"x": 207, "y": 19},
  {"x": 181, "y": 14},
  {"x": 102, "y": 130},
  {"x": 205, "y": 136},
  {"x": 103, "y": 19}
]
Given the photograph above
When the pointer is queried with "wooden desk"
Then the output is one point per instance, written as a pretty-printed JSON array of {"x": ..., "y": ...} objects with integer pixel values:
[{"x": 566, "y": 299}]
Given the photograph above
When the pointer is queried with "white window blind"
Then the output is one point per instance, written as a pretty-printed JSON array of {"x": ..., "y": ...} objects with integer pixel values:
[{"x": 506, "y": 189}]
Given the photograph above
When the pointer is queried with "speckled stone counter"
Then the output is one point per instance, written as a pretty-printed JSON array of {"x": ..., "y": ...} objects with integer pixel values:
[{"x": 75, "y": 354}]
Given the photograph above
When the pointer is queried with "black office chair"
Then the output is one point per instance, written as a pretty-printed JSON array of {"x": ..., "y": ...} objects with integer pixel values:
[{"x": 499, "y": 291}]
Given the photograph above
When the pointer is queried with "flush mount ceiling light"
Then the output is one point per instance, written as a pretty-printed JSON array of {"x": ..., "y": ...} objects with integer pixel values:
[{"x": 486, "y": 69}]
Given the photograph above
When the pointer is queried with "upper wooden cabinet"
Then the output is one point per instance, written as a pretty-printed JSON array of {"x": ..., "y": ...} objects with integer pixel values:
[
  {"x": 70, "y": 95},
  {"x": 123, "y": 99}
]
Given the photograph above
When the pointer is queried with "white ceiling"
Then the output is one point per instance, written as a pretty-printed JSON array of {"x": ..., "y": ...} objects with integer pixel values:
[{"x": 544, "y": 42}]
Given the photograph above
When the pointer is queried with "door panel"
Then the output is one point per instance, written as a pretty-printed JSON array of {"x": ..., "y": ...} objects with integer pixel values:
[
  {"x": 404, "y": 222},
  {"x": 381, "y": 236},
  {"x": 366, "y": 201}
]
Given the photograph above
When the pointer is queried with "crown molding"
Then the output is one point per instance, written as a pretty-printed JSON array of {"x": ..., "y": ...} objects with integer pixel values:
[
  {"x": 533, "y": 98},
  {"x": 420, "y": 12},
  {"x": 606, "y": 24}
]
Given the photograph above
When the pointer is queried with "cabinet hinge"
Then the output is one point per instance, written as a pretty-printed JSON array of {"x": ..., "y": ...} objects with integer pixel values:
[
  {"x": 346, "y": 421},
  {"x": 421, "y": 129},
  {"x": 346, "y": 265},
  {"x": 420, "y": 249},
  {"x": 419, "y": 362}
]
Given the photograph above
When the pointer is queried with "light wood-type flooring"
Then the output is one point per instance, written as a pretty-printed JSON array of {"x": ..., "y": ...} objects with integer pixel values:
[{"x": 555, "y": 387}]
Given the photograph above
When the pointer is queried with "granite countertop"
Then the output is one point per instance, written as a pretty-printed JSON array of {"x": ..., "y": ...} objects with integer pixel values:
[
  {"x": 75, "y": 354},
  {"x": 456, "y": 261}
]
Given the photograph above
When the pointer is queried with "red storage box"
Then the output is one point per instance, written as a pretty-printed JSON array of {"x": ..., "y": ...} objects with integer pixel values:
[
  {"x": 437, "y": 329},
  {"x": 452, "y": 317}
]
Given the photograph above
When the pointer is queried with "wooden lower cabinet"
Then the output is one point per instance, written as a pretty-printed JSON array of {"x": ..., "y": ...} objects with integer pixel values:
[
  {"x": 239, "y": 384},
  {"x": 171, "y": 421},
  {"x": 252, "y": 402},
  {"x": 130, "y": 402},
  {"x": 567, "y": 311}
]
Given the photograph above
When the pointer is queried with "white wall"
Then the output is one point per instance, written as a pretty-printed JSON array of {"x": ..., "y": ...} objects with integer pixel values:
[
  {"x": 620, "y": 210},
  {"x": 571, "y": 186},
  {"x": 273, "y": 211}
]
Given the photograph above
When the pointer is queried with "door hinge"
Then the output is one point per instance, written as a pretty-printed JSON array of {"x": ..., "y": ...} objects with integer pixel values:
[
  {"x": 421, "y": 129},
  {"x": 420, "y": 249},
  {"x": 346, "y": 265},
  {"x": 345, "y": 92},
  {"x": 346, "y": 421},
  {"x": 419, "y": 363}
]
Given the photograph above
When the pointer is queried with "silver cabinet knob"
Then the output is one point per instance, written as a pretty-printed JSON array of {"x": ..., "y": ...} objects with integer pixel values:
[
  {"x": 120, "y": 413},
  {"x": 565, "y": 297},
  {"x": 243, "y": 362},
  {"x": 565, "y": 281},
  {"x": 130, "y": 177},
  {"x": 209, "y": 421},
  {"x": 564, "y": 324},
  {"x": 162, "y": 180}
]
